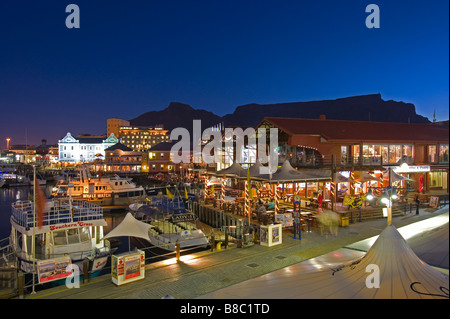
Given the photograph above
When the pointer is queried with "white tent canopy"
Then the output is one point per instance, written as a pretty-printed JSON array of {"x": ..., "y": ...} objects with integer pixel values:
[
  {"x": 402, "y": 275},
  {"x": 130, "y": 227},
  {"x": 289, "y": 174},
  {"x": 255, "y": 171},
  {"x": 235, "y": 170}
]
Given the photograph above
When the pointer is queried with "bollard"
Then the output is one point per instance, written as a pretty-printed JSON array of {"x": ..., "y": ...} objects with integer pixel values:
[
  {"x": 85, "y": 271},
  {"x": 219, "y": 245},
  {"x": 225, "y": 245},
  {"x": 21, "y": 284},
  {"x": 178, "y": 254},
  {"x": 213, "y": 242}
]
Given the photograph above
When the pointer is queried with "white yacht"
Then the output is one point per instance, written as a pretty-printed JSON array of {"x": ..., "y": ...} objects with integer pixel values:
[
  {"x": 70, "y": 228},
  {"x": 170, "y": 228},
  {"x": 104, "y": 191}
]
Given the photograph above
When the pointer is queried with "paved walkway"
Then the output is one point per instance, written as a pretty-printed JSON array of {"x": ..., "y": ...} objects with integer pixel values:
[{"x": 205, "y": 272}]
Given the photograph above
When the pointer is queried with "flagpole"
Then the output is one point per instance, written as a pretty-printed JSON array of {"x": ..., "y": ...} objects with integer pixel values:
[{"x": 33, "y": 244}]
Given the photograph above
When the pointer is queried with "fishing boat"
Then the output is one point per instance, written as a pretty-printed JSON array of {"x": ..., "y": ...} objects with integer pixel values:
[
  {"x": 170, "y": 225},
  {"x": 104, "y": 191},
  {"x": 71, "y": 232}
]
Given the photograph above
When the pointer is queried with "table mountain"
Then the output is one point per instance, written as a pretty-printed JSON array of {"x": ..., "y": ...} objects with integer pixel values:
[{"x": 357, "y": 108}]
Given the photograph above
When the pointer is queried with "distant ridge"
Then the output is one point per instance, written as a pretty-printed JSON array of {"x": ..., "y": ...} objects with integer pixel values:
[{"x": 357, "y": 108}]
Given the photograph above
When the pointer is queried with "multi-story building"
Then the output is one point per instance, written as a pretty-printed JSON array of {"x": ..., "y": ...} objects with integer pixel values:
[
  {"x": 353, "y": 146},
  {"x": 142, "y": 138},
  {"x": 122, "y": 159},
  {"x": 84, "y": 148},
  {"x": 113, "y": 125}
]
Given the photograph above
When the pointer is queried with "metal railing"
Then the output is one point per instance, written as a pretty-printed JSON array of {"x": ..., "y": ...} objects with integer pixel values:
[{"x": 58, "y": 211}]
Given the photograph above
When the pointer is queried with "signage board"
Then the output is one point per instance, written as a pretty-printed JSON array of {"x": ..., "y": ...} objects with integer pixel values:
[
  {"x": 412, "y": 169},
  {"x": 53, "y": 269},
  {"x": 128, "y": 267},
  {"x": 178, "y": 218},
  {"x": 434, "y": 201}
]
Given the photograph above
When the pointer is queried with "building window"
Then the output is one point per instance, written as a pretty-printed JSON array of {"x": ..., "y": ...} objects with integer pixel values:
[
  {"x": 344, "y": 154},
  {"x": 438, "y": 179},
  {"x": 443, "y": 153},
  {"x": 432, "y": 151}
]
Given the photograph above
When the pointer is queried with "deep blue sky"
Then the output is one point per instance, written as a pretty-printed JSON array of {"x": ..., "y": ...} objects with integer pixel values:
[{"x": 130, "y": 57}]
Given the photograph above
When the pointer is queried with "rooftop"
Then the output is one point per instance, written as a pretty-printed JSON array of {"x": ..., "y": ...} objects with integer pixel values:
[{"x": 361, "y": 130}]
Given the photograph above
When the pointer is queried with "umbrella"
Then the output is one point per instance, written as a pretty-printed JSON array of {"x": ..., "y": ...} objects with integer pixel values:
[
  {"x": 363, "y": 177},
  {"x": 397, "y": 177}
]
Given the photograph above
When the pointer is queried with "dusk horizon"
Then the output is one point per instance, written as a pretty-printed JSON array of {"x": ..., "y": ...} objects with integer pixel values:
[{"x": 126, "y": 60}]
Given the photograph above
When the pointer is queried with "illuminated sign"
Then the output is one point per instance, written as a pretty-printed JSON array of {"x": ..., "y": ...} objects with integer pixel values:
[{"x": 412, "y": 169}]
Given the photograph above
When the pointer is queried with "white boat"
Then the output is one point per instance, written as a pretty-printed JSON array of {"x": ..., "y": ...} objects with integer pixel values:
[
  {"x": 13, "y": 180},
  {"x": 168, "y": 229},
  {"x": 104, "y": 191},
  {"x": 69, "y": 229}
]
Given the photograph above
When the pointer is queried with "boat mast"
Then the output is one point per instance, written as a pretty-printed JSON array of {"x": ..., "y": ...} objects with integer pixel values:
[{"x": 33, "y": 248}]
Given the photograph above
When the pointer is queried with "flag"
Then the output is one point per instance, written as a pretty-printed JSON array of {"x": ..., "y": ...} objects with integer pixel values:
[
  {"x": 169, "y": 194},
  {"x": 40, "y": 202},
  {"x": 249, "y": 185},
  {"x": 186, "y": 194}
]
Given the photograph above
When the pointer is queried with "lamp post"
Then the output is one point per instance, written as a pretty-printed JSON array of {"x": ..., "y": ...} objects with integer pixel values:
[{"x": 390, "y": 193}]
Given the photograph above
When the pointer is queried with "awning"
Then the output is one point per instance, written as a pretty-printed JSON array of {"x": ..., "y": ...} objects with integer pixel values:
[
  {"x": 130, "y": 227},
  {"x": 362, "y": 177}
]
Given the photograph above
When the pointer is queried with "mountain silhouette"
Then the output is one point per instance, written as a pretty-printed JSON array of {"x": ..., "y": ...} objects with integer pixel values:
[{"x": 357, "y": 108}]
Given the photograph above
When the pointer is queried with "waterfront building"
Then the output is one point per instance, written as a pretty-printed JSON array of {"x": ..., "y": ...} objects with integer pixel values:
[
  {"x": 355, "y": 146},
  {"x": 113, "y": 125},
  {"x": 142, "y": 138},
  {"x": 24, "y": 154},
  {"x": 121, "y": 159},
  {"x": 85, "y": 148}
]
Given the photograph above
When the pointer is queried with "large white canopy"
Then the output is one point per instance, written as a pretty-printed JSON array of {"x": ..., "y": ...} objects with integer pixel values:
[
  {"x": 402, "y": 275},
  {"x": 130, "y": 227}
]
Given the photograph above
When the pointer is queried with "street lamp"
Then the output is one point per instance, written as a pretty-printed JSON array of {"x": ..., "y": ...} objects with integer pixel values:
[
  {"x": 387, "y": 197},
  {"x": 389, "y": 194}
]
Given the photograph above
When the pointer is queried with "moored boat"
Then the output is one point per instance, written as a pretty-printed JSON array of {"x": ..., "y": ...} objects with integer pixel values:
[
  {"x": 104, "y": 191},
  {"x": 71, "y": 233},
  {"x": 170, "y": 227}
]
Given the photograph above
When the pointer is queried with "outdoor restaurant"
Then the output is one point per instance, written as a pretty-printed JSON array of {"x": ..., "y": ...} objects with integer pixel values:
[{"x": 332, "y": 166}]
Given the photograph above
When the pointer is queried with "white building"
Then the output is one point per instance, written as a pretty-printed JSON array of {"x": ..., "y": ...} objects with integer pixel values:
[{"x": 85, "y": 148}]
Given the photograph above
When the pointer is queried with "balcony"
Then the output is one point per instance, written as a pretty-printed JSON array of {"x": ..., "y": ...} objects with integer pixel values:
[{"x": 328, "y": 161}]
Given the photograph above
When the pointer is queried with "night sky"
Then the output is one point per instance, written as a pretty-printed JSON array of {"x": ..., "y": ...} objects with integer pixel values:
[{"x": 130, "y": 57}]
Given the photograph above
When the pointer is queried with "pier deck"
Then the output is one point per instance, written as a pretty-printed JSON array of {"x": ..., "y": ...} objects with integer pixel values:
[{"x": 205, "y": 272}]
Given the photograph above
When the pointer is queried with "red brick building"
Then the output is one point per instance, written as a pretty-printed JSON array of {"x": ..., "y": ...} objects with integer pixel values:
[{"x": 365, "y": 146}]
